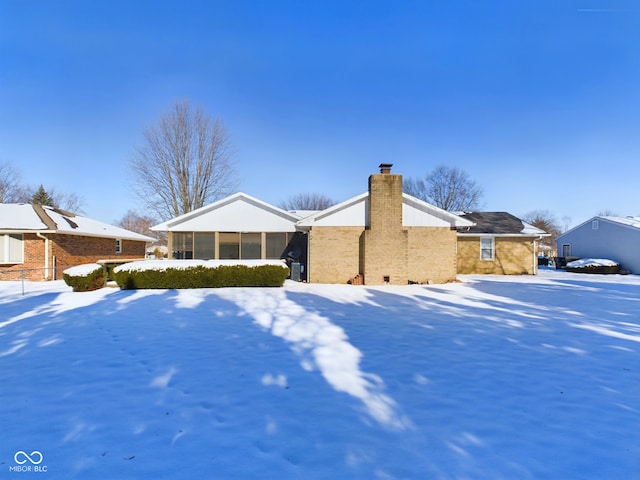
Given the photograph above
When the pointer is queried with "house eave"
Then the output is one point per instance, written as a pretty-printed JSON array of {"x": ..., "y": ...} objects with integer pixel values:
[{"x": 489, "y": 234}]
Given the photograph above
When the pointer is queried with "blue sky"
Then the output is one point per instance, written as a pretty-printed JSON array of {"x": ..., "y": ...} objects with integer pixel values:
[{"x": 537, "y": 100}]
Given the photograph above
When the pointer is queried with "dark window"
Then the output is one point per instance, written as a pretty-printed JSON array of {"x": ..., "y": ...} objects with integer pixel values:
[
  {"x": 204, "y": 246},
  {"x": 183, "y": 245},
  {"x": 229, "y": 246}
]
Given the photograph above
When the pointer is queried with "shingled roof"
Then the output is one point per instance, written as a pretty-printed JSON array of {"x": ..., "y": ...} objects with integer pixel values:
[{"x": 498, "y": 223}]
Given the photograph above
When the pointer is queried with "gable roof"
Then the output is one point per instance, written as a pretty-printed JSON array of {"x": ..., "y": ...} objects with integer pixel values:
[
  {"x": 236, "y": 213},
  {"x": 31, "y": 218},
  {"x": 624, "y": 222},
  {"x": 499, "y": 223},
  {"x": 354, "y": 212}
]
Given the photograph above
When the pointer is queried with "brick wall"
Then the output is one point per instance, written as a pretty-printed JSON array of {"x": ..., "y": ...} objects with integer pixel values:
[
  {"x": 385, "y": 251},
  {"x": 33, "y": 261},
  {"x": 432, "y": 254},
  {"x": 69, "y": 251},
  {"x": 72, "y": 250},
  {"x": 334, "y": 254},
  {"x": 513, "y": 256}
]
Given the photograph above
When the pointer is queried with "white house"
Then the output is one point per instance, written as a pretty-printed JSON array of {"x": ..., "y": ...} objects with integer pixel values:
[{"x": 613, "y": 238}]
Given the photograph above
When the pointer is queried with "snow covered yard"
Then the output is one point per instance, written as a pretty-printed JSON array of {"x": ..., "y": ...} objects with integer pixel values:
[{"x": 491, "y": 378}]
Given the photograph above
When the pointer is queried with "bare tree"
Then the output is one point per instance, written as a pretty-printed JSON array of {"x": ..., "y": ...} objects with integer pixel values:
[
  {"x": 607, "y": 213},
  {"x": 184, "y": 163},
  {"x": 135, "y": 222},
  {"x": 142, "y": 224},
  {"x": 307, "y": 201},
  {"x": 547, "y": 221},
  {"x": 446, "y": 187},
  {"x": 11, "y": 188}
]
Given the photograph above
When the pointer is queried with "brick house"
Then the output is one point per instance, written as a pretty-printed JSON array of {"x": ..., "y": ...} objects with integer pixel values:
[
  {"x": 39, "y": 242},
  {"x": 378, "y": 237},
  {"x": 498, "y": 243},
  {"x": 382, "y": 236}
]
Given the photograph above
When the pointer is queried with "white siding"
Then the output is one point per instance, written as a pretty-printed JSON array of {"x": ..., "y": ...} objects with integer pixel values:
[
  {"x": 414, "y": 217},
  {"x": 611, "y": 240},
  {"x": 240, "y": 215},
  {"x": 351, "y": 215}
]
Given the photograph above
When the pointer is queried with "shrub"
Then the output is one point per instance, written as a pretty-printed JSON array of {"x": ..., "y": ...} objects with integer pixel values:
[
  {"x": 194, "y": 274},
  {"x": 85, "y": 278},
  {"x": 593, "y": 265}
]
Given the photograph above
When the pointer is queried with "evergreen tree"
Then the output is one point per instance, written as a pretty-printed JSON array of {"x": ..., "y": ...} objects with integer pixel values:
[{"x": 41, "y": 197}]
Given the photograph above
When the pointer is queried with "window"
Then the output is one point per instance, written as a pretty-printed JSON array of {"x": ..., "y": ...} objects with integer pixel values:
[
  {"x": 229, "y": 248},
  {"x": 230, "y": 245},
  {"x": 595, "y": 225},
  {"x": 251, "y": 246},
  {"x": 118, "y": 245},
  {"x": 11, "y": 248},
  {"x": 182, "y": 243},
  {"x": 487, "y": 248},
  {"x": 566, "y": 249},
  {"x": 276, "y": 244},
  {"x": 204, "y": 246}
]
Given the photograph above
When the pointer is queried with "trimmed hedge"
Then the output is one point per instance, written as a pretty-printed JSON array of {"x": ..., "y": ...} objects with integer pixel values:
[
  {"x": 84, "y": 279},
  {"x": 598, "y": 269},
  {"x": 201, "y": 276}
]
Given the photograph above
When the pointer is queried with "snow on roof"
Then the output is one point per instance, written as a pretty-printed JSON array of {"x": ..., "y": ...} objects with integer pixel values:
[
  {"x": 630, "y": 221},
  {"x": 24, "y": 218},
  {"x": 303, "y": 213},
  {"x": 19, "y": 216},
  {"x": 531, "y": 230}
]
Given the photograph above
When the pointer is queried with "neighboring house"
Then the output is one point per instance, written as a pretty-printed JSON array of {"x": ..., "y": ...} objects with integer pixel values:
[
  {"x": 498, "y": 243},
  {"x": 612, "y": 238},
  {"x": 39, "y": 242},
  {"x": 380, "y": 236}
]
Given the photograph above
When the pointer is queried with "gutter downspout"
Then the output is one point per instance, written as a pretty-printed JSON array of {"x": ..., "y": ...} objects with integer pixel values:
[
  {"x": 46, "y": 254},
  {"x": 535, "y": 257}
]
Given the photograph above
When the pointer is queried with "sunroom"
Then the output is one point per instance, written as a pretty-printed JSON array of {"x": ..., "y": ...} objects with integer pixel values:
[{"x": 238, "y": 227}]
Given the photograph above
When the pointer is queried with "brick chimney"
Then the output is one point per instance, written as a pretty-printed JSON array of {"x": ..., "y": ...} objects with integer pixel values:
[{"x": 385, "y": 242}]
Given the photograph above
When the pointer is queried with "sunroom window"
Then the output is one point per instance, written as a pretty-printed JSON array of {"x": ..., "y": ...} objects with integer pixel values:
[{"x": 183, "y": 245}]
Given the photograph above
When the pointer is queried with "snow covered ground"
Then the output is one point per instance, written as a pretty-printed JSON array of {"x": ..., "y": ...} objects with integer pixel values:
[{"x": 491, "y": 378}]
